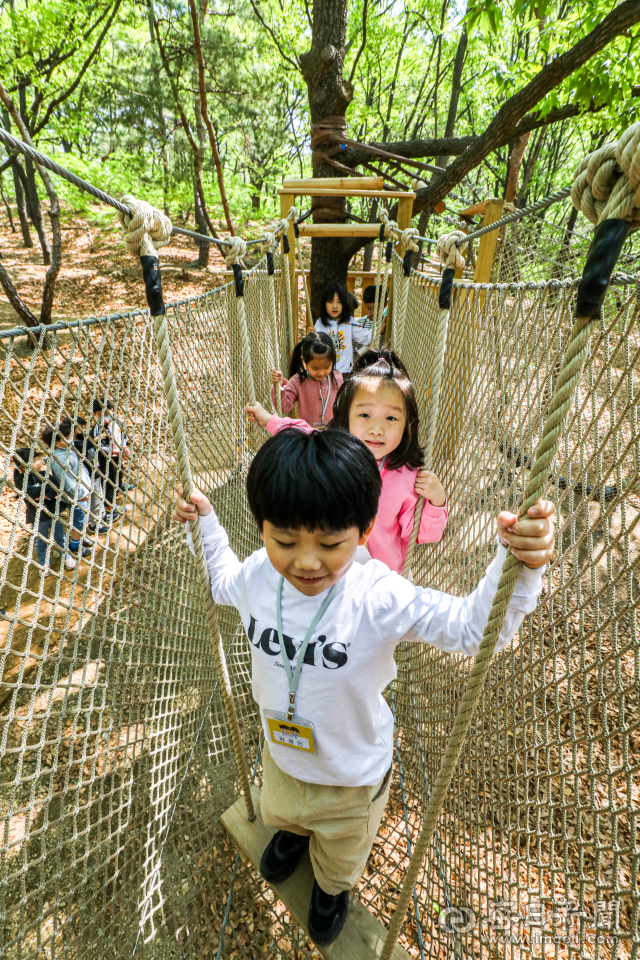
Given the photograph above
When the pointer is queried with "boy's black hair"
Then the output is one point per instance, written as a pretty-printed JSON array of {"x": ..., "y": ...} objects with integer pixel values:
[
  {"x": 100, "y": 405},
  {"x": 21, "y": 457},
  {"x": 408, "y": 453},
  {"x": 325, "y": 480},
  {"x": 313, "y": 345},
  {"x": 372, "y": 355},
  {"x": 328, "y": 292},
  {"x": 369, "y": 294},
  {"x": 63, "y": 430}
]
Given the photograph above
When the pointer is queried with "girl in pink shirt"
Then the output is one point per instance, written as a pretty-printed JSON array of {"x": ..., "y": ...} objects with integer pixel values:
[
  {"x": 378, "y": 405},
  {"x": 313, "y": 380}
]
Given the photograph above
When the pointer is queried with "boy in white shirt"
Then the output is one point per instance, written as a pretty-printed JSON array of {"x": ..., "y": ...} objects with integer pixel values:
[{"x": 323, "y": 631}]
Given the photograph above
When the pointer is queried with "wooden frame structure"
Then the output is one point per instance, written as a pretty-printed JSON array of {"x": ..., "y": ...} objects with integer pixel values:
[{"x": 338, "y": 187}]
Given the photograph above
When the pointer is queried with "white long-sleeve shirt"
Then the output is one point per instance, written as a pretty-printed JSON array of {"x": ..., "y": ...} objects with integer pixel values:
[
  {"x": 344, "y": 335},
  {"x": 349, "y": 660}
]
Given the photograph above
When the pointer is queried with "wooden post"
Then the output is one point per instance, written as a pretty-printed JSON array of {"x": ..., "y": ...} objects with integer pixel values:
[
  {"x": 287, "y": 200},
  {"x": 405, "y": 216},
  {"x": 487, "y": 246}
]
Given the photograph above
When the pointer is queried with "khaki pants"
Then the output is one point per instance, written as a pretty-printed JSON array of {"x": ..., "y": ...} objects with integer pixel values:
[{"x": 342, "y": 822}]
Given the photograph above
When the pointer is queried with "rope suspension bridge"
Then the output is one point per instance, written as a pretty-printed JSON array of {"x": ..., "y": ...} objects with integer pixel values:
[{"x": 127, "y": 728}]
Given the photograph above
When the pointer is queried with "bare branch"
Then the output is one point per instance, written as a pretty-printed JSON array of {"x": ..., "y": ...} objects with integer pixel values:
[
  {"x": 273, "y": 36},
  {"x": 364, "y": 41},
  {"x": 16, "y": 300}
]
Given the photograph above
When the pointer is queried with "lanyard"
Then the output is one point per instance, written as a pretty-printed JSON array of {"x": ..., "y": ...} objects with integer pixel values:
[
  {"x": 382, "y": 463},
  {"x": 322, "y": 401},
  {"x": 294, "y": 675}
]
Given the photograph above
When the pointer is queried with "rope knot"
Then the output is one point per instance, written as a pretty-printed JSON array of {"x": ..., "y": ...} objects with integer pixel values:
[
  {"x": 450, "y": 247},
  {"x": 407, "y": 238},
  {"x": 606, "y": 183},
  {"x": 146, "y": 230},
  {"x": 237, "y": 250},
  {"x": 269, "y": 244}
]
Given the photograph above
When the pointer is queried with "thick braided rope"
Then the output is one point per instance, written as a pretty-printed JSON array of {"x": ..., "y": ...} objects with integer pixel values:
[
  {"x": 307, "y": 299},
  {"x": 184, "y": 472},
  {"x": 606, "y": 183},
  {"x": 288, "y": 306},
  {"x": 432, "y": 419},
  {"x": 381, "y": 288},
  {"x": 400, "y": 309},
  {"x": 268, "y": 247},
  {"x": 238, "y": 250},
  {"x": 145, "y": 221},
  {"x": 568, "y": 380}
]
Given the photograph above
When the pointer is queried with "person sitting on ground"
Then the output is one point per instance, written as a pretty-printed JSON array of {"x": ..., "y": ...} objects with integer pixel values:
[
  {"x": 108, "y": 435},
  {"x": 323, "y": 631},
  {"x": 87, "y": 451},
  {"x": 66, "y": 470},
  {"x": 30, "y": 482}
]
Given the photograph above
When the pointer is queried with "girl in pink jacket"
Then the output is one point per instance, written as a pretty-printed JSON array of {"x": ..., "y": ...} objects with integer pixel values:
[
  {"x": 378, "y": 405},
  {"x": 313, "y": 380}
]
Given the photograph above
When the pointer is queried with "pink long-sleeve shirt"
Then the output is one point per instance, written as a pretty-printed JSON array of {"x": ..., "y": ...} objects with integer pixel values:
[
  {"x": 307, "y": 394},
  {"x": 389, "y": 539}
]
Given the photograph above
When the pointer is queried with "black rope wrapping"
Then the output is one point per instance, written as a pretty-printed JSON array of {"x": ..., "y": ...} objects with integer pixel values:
[
  {"x": 387, "y": 251},
  {"x": 446, "y": 288},
  {"x": 381, "y": 234},
  {"x": 153, "y": 285},
  {"x": 285, "y": 243},
  {"x": 296, "y": 229},
  {"x": 270, "y": 264},
  {"x": 406, "y": 263},
  {"x": 238, "y": 278},
  {"x": 604, "y": 250}
]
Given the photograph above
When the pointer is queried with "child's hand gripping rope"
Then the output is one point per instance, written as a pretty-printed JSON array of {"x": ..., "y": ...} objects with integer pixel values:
[{"x": 531, "y": 539}]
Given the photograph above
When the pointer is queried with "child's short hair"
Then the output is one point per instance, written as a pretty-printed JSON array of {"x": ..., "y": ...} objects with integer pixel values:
[
  {"x": 325, "y": 480},
  {"x": 348, "y": 303},
  {"x": 100, "y": 405},
  {"x": 21, "y": 457},
  {"x": 313, "y": 345},
  {"x": 408, "y": 453},
  {"x": 61, "y": 432},
  {"x": 369, "y": 294},
  {"x": 372, "y": 355}
]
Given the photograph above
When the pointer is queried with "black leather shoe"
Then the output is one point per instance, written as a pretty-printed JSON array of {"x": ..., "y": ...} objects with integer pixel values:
[
  {"x": 327, "y": 915},
  {"x": 282, "y": 855}
]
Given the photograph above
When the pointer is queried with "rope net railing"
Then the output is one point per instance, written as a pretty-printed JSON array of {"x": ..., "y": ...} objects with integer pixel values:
[{"x": 116, "y": 758}]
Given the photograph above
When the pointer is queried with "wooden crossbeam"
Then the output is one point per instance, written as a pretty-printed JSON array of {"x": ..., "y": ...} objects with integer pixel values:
[
  {"x": 352, "y": 183},
  {"x": 311, "y": 191},
  {"x": 363, "y": 935}
]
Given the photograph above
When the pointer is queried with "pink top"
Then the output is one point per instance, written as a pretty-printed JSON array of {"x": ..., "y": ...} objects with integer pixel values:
[
  {"x": 307, "y": 394},
  {"x": 389, "y": 539}
]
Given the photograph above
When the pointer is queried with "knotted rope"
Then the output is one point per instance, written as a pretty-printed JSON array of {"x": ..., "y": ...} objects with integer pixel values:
[
  {"x": 147, "y": 230},
  {"x": 606, "y": 184},
  {"x": 146, "y": 246},
  {"x": 267, "y": 249},
  {"x": 307, "y": 299},
  {"x": 567, "y": 383},
  {"x": 449, "y": 248},
  {"x": 381, "y": 288},
  {"x": 286, "y": 279},
  {"x": 408, "y": 241}
]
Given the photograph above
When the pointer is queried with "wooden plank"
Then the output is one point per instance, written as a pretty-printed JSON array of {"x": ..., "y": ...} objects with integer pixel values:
[
  {"x": 363, "y": 935},
  {"x": 312, "y": 191},
  {"x": 339, "y": 229},
  {"x": 473, "y": 211},
  {"x": 351, "y": 183}
]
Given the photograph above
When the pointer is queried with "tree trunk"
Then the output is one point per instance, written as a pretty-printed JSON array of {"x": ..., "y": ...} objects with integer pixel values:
[
  {"x": 33, "y": 201},
  {"x": 22, "y": 209},
  {"x": 35, "y": 211},
  {"x": 456, "y": 89},
  {"x": 6, "y": 204},
  {"x": 513, "y": 169},
  {"x": 203, "y": 248},
  {"x": 329, "y": 96}
]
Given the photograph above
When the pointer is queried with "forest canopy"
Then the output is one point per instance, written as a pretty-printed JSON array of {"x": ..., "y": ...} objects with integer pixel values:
[{"x": 203, "y": 106}]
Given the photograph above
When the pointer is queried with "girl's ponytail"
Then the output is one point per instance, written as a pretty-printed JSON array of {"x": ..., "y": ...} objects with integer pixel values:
[{"x": 313, "y": 345}]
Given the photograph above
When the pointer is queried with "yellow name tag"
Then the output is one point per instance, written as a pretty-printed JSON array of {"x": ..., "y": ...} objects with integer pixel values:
[{"x": 297, "y": 733}]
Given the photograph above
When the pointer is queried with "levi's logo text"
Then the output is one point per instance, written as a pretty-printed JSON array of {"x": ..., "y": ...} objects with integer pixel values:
[{"x": 319, "y": 653}]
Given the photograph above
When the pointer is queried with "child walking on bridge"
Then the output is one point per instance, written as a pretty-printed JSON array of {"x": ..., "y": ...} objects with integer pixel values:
[{"x": 323, "y": 631}]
